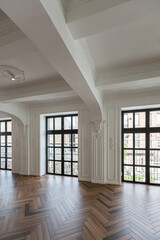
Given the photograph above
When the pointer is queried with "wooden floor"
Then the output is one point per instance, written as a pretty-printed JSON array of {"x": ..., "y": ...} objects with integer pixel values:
[{"x": 54, "y": 207}]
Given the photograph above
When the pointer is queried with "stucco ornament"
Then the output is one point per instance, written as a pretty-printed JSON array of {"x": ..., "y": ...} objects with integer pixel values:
[{"x": 10, "y": 73}]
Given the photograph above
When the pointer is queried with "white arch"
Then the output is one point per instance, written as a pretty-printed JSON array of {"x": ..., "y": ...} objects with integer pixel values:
[
  {"x": 19, "y": 137},
  {"x": 17, "y": 110}
]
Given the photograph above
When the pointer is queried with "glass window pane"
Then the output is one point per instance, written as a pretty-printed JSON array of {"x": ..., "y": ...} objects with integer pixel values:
[
  {"x": 128, "y": 120},
  {"x": 140, "y": 119},
  {"x": 9, "y": 163},
  {"x": 140, "y": 140},
  {"x": 75, "y": 122},
  {"x": 155, "y": 119},
  {"x": 50, "y": 124},
  {"x": 67, "y": 154},
  {"x": 67, "y": 168},
  {"x": 9, "y": 126},
  {"x": 154, "y": 141},
  {"x": 2, "y": 140},
  {"x": 50, "y": 167},
  {"x": 128, "y": 140},
  {"x": 9, "y": 152},
  {"x": 67, "y": 140},
  {"x": 154, "y": 158},
  {"x": 58, "y": 154},
  {"x": 2, "y": 162},
  {"x": 3, "y": 152},
  {"x": 140, "y": 174},
  {"x": 58, "y": 167},
  {"x": 75, "y": 169},
  {"x": 67, "y": 123},
  {"x": 9, "y": 140},
  {"x": 2, "y": 126},
  {"x": 74, "y": 140},
  {"x": 58, "y": 140},
  {"x": 50, "y": 154},
  {"x": 128, "y": 173},
  {"x": 128, "y": 156},
  {"x": 58, "y": 123},
  {"x": 50, "y": 142},
  {"x": 140, "y": 157},
  {"x": 75, "y": 154},
  {"x": 155, "y": 175}
]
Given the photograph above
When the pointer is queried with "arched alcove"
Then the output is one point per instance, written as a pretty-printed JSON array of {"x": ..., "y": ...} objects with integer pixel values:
[{"x": 19, "y": 143}]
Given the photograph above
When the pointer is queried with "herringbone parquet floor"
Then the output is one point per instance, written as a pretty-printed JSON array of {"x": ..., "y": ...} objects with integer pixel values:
[{"x": 54, "y": 207}]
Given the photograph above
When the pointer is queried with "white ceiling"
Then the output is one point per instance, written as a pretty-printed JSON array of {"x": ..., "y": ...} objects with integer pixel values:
[
  {"x": 34, "y": 66},
  {"x": 18, "y": 51},
  {"x": 126, "y": 46},
  {"x": 72, "y": 4},
  {"x": 3, "y": 16},
  {"x": 120, "y": 35},
  {"x": 128, "y": 34}
]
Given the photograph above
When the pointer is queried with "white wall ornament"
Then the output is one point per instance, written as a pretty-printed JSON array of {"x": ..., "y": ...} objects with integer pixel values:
[
  {"x": 98, "y": 174},
  {"x": 111, "y": 143},
  {"x": 97, "y": 126}
]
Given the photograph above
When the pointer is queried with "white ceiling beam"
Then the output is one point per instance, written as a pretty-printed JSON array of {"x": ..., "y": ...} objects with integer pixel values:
[
  {"x": 50, "y": 89},
  {"x": 142, "y": 75},
  {"x": 44, "y": 24},
  {"x": 76, "y": 11},
  {"x": 86, "y": 21}
]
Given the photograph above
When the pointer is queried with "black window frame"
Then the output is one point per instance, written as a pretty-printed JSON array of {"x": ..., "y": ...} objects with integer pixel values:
[
  {"x": 62, "y": 132},
  {"x": 147, "y": 130},
  {"x": 5, "y": 134}
]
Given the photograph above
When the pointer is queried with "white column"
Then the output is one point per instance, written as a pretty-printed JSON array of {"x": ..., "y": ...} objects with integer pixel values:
[
  {"x": 97, "y": 150},
  {"x": 113, "y": 145}
]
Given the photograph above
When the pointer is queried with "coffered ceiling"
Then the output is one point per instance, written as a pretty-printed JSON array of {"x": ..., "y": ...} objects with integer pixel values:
[
  {"x": 18, "y": 51},
  {"x": 121, "y": 35},
  {"x": 90, "y": 46}
]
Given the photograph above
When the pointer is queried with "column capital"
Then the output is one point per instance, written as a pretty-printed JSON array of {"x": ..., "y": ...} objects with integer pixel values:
[{"x": 97, "y": 125}]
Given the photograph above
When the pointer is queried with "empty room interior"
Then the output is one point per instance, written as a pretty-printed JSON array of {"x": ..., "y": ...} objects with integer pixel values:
[{"x": 79, "y": 119}]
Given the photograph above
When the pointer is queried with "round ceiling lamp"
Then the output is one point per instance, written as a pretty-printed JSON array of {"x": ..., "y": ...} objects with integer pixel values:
[{"x": 11, "y": 73}]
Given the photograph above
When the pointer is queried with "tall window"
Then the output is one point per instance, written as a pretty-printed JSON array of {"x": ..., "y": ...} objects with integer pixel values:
[
  {"x": 6, "y": 144},
  {"x": 62, "y": 145},
  {"x": 141, "y": 146}
]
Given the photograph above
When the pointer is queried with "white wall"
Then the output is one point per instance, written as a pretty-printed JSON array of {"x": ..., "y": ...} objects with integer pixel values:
[
  {"x": 19, "y": 147},
  {"x": 99, "y": 142},
  {"x": 37, "y": 146},
  {"x": 112, "y": 132},
  {"x": 29, "y": 147}
]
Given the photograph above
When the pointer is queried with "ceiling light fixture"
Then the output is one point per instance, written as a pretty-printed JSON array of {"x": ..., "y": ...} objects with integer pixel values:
[{"x": 11, "y": 73}]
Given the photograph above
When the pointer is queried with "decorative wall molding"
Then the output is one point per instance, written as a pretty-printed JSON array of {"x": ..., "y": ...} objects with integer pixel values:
[
  {"x": 84, "y": 144},
  {"x": 97, "y": 150},
  {"x": 97, "y": 126},
  {"x": 112, "y": 159},
  {"x": 72, "y": 4}
]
